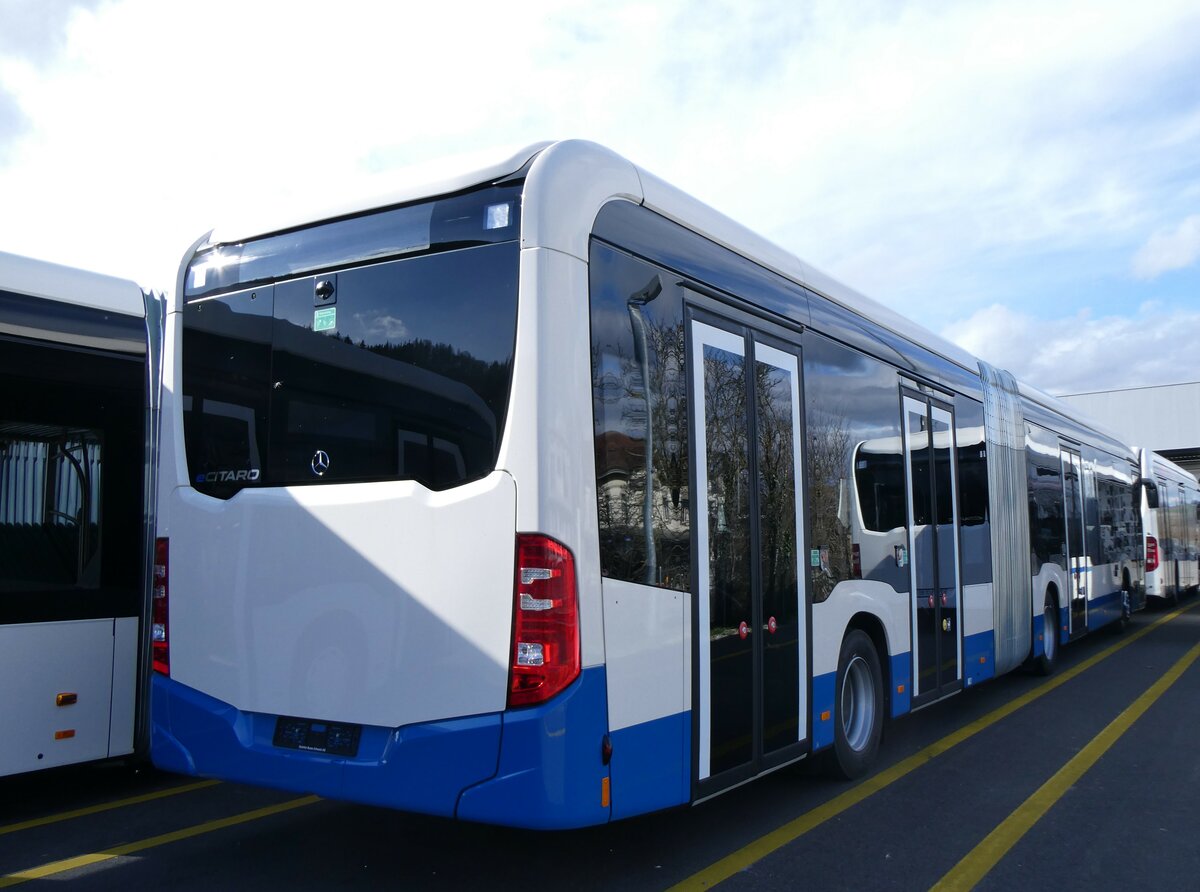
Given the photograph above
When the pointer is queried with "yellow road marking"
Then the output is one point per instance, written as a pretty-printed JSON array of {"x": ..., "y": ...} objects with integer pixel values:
[
  {"x": 981, "y": 859},
  {"x": 107, "y": 806},
  {"x": 57, "y": 867},
  {"x": 794, "y": 829}
]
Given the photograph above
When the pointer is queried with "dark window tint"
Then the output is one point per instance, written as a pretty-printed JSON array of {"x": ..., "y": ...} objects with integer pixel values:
[
  {"x": 397, "y": 370},
  {"x": 727, "y": 503},
  {"x": 922, "y": 486},
  {"x": 226, "y": 389},
  {"x": 639, "y": 400},
  {"x": 1047, "y": 518},
  {"x": 973, "y": 479},
  {"x": 72, "y": 469},
  {"x": 879, "y": 481},
  {"x": 411, "y": 379},
  {"x": 50, "y": 481},
  {"x": 856, "y": 514},
  {"x": 773, "y": 389}
]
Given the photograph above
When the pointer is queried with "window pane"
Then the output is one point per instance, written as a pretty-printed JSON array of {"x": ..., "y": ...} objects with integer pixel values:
[
  {"x": 777, "y": 506},
  {"x": 639, "y": 402}
]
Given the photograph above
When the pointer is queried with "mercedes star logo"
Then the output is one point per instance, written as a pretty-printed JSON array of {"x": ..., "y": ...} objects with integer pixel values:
[{"x": 320, "y": 462}]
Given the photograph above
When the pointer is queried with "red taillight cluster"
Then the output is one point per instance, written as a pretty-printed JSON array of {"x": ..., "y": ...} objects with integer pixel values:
[
  {"x": 545, "y": 642},
  {"x": 1151, "y": 554},
  {"x": 159, "y": 593}
]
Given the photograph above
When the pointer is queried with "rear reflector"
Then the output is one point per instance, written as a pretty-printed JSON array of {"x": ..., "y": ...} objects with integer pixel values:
[
  {"x": 545, "y": 642},
  {"x": 159, "y": 597}
]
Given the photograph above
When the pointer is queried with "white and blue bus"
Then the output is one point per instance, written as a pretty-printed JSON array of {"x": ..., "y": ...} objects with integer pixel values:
[
  {"x": 1170, "y": 503},
  {"x": 545, "y": 496},
  {"x": 78, "y": 372}
]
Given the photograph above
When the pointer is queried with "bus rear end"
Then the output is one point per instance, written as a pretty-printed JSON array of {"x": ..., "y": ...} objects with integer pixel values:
[{"x": 339, "y": 558}]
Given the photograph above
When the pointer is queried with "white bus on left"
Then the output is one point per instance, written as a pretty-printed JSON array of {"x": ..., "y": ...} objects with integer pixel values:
[{"x": 78, "y": 372}]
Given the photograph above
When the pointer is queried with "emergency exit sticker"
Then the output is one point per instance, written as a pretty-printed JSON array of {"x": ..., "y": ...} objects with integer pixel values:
[{"x": 325, "y": 319}]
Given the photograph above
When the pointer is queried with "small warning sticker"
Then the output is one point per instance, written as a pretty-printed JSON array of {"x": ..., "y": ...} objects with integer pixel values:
[{"x": 325, "y": 319}]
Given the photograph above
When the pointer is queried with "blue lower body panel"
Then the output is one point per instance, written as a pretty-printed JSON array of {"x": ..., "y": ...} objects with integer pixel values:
[
  {"x": 1104, "y": 610},
  {"x": 822, "y": 710},
  {"x": 979, "y": 654},
  {"x": 901, "y": 676},
  {"x": 652, "y": 765},
  {"x": 518, "y": 767},
  {"x": 551, "y": 771}
]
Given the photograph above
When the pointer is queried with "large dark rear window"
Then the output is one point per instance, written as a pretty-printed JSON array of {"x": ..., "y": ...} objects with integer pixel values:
[{"x": 397, "y": 369}]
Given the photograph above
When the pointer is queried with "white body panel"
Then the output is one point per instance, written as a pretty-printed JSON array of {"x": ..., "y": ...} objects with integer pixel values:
[
  {"x": 649, "y": 667},
  {"x": 352, "y": 603},
  {"x": 831, "y": 617},
  {"x": 977, "y": 609},
  {"x": 547, "y": 444},
  {"x": 38, "y": 662},
  {"x": 124, "y": 685}
]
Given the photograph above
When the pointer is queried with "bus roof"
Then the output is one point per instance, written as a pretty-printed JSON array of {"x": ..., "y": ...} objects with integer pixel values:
[
  {"x": 51, "y": 281},
  {"x": 593, "y": 175}
]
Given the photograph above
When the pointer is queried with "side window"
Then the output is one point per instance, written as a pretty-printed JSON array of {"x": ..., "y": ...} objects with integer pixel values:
[
  {"x": 72, "y": 470},
  {"x": 50, "y": 513},
  {"x": 856, "y": 497},
  {"x": 1047, "y": 521},
  {"x": 639, "y": 402},
  {"x": 974, "y": 510}
]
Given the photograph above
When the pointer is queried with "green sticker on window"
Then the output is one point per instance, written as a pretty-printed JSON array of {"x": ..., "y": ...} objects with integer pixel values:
[
  {"x": 814, "y": 557},
  {"x": 325, "y": 319}
]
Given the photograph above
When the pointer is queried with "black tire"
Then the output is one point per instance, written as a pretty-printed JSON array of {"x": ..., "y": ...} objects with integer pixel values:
[
  {"x": 858, "y": 708},
  {"x": 1044, "y": 664},
  {"x": 1126, "y": 619}
]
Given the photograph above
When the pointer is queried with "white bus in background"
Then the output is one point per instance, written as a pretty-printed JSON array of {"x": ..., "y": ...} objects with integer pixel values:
[
  {"x": 1170, "y": 502},
  {"x": 526, "y": 497},
  {"x": 77, "y": 373}
]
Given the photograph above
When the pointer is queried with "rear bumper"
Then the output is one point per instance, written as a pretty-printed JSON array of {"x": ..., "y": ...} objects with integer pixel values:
[{"x": 537, "y": 767}]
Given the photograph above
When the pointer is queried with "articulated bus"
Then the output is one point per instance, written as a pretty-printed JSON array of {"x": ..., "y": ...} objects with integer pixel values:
[
  {"x": 546, "y": 496},
  {"x": 78, "y": 370},
  {"x": 1170, "y": 505}
]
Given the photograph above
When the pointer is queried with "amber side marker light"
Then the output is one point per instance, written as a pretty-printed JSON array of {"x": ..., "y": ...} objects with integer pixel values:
[
  {"x": 64, "y": 735},
  {"x": 66, "y": 699}
]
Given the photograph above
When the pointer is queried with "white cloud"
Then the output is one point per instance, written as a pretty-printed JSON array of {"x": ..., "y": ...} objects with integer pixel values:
[
  {"x": 1169, "y": 249},
  {"x": 1079, "y": 353},
  {"x": 888, "y": 143}
]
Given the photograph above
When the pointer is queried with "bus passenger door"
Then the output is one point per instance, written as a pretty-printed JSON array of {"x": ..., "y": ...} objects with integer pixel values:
[
  {"x": 751, "y": 615},
  {"x": 930, "y": 457},
  {"x": 1076, "y": 553}
]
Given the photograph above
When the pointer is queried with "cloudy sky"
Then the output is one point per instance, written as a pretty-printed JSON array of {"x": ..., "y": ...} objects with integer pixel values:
[{"x": 1023, "y": 177}]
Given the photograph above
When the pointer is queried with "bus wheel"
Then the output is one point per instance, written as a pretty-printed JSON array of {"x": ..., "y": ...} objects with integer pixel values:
[
  {"x": 1044, "y": 664},
  {"x": 858, "y": 707},
  {"x": 1126, "y": 619}
]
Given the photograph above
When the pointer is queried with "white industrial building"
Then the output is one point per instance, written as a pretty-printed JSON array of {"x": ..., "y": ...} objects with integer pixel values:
[{"x": 1165, "y": 418}]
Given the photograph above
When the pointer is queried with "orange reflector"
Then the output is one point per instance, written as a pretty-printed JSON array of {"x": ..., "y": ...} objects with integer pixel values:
[
  {"x": 982, "y": 660},
  {"x": 899, "y": 689},
  {"x": 64, "y": 735},
  {"x": 825, "y": 716},
  {"x": 66, "y": 699},
  {"x": 605, "y": 794}
]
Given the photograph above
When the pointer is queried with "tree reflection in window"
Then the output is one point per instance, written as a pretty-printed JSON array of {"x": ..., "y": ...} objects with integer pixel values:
[{"x": 639, "y": 399}]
